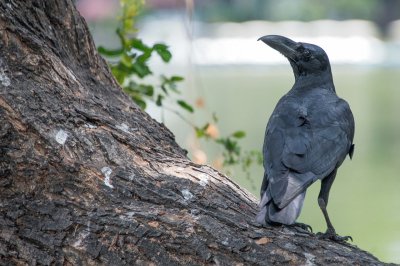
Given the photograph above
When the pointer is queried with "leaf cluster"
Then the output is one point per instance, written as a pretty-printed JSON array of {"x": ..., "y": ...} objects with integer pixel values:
[{"x": 130, "y": 66}]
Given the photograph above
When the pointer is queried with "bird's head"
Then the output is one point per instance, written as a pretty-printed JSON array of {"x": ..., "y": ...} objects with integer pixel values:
[{"x": 305, "y": 58}]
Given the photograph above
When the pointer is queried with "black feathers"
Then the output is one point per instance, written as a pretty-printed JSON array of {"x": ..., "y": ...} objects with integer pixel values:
[{"x": 308, "y": 135}]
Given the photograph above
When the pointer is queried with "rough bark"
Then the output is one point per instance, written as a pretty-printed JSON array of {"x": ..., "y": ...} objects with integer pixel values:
[{"x": 86, "y": 177}]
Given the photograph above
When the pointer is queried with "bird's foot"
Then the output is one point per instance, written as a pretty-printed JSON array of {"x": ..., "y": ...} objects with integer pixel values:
[
  {"x": 305, "y": 227},
  {"x": 331, "y": 235}
]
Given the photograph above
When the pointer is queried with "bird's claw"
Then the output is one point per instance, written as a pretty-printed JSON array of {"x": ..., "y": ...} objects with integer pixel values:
[
  {"x": 333, "y": 236},
  {"x": 303, "y": 226}
]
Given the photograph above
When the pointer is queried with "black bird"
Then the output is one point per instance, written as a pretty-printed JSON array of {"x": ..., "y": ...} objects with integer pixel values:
[{"x": 308, "y": 136}]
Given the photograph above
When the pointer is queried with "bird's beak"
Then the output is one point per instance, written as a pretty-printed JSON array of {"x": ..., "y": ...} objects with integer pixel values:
[{"x": 284, "y": 45}]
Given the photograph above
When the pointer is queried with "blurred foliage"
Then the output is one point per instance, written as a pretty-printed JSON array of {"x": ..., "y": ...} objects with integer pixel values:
[
  {"x": 380, "y": 11},
  {"x": 285, "y": 9},
  {"x": 130, "y": 67},
  {"x": 130, "y": 10}
]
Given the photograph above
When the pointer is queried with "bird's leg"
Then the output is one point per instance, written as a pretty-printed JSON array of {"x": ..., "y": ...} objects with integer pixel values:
[{"x": 323, "y": 196}]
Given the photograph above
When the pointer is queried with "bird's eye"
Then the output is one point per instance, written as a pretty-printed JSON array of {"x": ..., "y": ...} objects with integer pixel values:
[{"x": 306, "y": 55}]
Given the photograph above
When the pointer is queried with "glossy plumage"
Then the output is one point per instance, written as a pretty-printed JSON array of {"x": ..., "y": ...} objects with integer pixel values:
[{"x": 308, "y": 135}]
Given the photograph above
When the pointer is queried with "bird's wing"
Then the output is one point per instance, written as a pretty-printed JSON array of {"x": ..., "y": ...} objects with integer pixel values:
[{"x": 304, "y": 144}]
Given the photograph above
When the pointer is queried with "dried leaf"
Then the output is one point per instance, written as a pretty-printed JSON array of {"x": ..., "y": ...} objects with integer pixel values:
[
  {"x": 212, "y": 131},
  {"x": 200, "y": 103}
]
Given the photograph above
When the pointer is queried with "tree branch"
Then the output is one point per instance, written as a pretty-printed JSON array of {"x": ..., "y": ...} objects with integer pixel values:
[{"x": 86, "y": 177}]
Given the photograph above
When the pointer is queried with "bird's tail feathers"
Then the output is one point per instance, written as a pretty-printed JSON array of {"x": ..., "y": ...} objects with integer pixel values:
[
  {"x": 269, "y": 212},
  {"x": 262, "y": 214},
  {"x": 289, "y": 214},
  {"x": 296, "y": 185}
]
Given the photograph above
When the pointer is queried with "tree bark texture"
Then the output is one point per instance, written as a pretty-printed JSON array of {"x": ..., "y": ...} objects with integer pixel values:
[{"x": 87, "y": 178}]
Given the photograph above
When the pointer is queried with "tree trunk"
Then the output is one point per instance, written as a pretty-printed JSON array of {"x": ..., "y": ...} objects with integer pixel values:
[{"x": 86, "y": 177}]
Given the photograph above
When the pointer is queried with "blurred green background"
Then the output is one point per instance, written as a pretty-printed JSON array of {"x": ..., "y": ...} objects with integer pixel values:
[
  {"x": 365, "y": 199},
  {"x": 228, "y": 72}
]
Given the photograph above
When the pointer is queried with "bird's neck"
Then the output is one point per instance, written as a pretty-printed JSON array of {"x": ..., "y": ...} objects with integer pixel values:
[{"x": 311, "y": 81}]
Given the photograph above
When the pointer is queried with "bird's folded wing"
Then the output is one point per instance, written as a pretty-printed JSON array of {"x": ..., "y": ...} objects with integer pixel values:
[{"x": 297, "y": 156}]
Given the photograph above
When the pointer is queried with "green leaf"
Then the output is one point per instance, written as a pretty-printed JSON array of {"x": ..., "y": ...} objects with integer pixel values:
[
  {"x": 164, "y": 89},
  {"x": 121, "y": 36},
  {"x": 141, "y": 69},
  {"x": 118, "y": 74},
  {"x": 231, "y": 146},
  {"x": 139, "y": 45},
  {"x": 110, "y": 52},
  {"x": 144, "y": 57},
  {"x": 239, "y": 134},
  {"x": 126, "y": 61},
  {"x": 202, "y": 132},
  {"x": 162, "y": 51},
  {"x": 130, "y": 10},
  {"x": 159, "y": 100},
  {"x": 176, "y": 79},
  {"x": 185, "y": 106},
  {"x": 148, "y": 90},
  {"x": 170, "y": 83},
  {"x": 139, "y": 101}
]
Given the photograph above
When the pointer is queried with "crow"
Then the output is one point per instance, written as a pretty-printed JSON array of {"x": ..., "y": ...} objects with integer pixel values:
[{"x": 307, "y": 138}]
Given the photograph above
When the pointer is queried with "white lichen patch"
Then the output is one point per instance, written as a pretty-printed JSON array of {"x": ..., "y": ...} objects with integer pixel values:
[
  {"x": 107, "y": 176},
  {"x": 287, "y": 232},
  {"x": 225, "y": 242},
  {"x": 194, "y": 212},
  {"x": 290, "y": 246},
  {"x": 4, "y": 79},
  {"x": 81, "y": 237},
  {"x": 124, "y": 127},
  {"x": 187, "y": 195},
  {"x": 309, "y": 259},
  {"x": 61, "y": 136},
  {"x": 130, "y": 214},
  {"x": 90, "y": 126},
  {"x": 127, "y": 216},
  {"x": 203, "y": 180}
]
